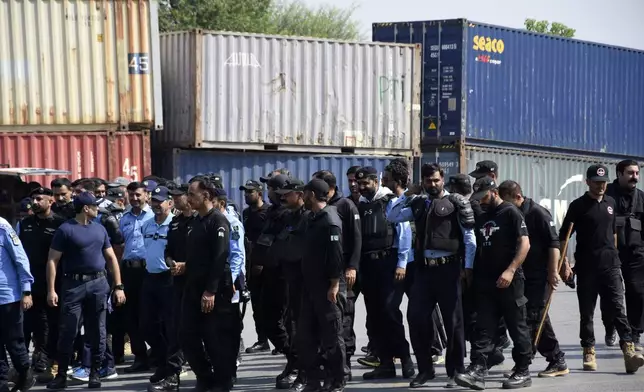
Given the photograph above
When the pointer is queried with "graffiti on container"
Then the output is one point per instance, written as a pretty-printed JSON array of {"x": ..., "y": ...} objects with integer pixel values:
[
  {"x": 242, "y": 59},
  {"x": 279, "y": 84},
  {"x": 86, "y": 19},
  {"x": 559, "y": 207},
  {"x": 130, "y": 171},
  {"x": 389, "y": 86}
]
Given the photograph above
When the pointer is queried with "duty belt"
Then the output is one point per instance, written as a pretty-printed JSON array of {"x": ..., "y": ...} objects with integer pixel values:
[
  {"x": 436, "y": 261},
  {"x": 134, "y": 263},
  {"x": 378, "y": 254},
  {"x": 86, "y": 277}
]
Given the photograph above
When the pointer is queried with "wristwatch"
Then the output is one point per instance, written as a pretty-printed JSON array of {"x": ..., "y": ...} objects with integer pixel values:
[
  {"x": 119, "y": 287},
  {"x": 26, "y": 293}
]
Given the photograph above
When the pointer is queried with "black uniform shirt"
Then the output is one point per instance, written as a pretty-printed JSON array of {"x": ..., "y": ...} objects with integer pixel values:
[
  {"x": 112, "y": 227},
  {"x": 177, "y": 246},
  {"x": 351, "y": 229},
  {"x": 64, "y": 210},
  {"x": 207, "y": 265},
  {"x": 323, "y": 252},
  {"x": 36, "y": 235},
  {"x": 254, "y": 221},
  {"x": 595, "y": 227},
  {"x": 543, "y": 236},
  {"x": 497, "y": 233},
  {"x": 275, "y": 223}
]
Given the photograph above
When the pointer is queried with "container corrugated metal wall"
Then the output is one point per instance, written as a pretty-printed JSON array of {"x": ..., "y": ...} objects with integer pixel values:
[
  {"x": 508, "y": 85},
  {"x": 105, "y": 155},
  {"x": 238, "y": 167},
  {"x": 93, "y": 64},
  {"x": 233, "y": 91}
]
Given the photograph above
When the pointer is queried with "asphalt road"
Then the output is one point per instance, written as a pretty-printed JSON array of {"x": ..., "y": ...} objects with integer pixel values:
[{"x": 257, "y": 372}]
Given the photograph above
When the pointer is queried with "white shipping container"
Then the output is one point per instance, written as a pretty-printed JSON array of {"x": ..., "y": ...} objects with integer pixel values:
[
  {"x": 86, "y": 63},
  {"x": 255, "y": 92}
]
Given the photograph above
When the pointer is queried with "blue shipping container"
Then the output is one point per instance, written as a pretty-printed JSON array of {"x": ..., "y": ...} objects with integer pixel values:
[
  {"x": 238, "y": 167},
  {"x": 493, "y": 83}
]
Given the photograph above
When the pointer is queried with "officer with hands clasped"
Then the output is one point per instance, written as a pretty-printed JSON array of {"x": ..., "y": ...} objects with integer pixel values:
[
  {"x": 502, "y": 240},
  {"x": 598, "y": 267},
  {"x": 540, "y": 270},
  {"x": 324, "y": 293}
]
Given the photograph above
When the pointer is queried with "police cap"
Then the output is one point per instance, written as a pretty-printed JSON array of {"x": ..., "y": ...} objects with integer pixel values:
[
  {"x": 40, "y": 191},
  {"x": 292, "y": 185},
  {"x": 366, "y": 172},
  {"x": 484, "y": 168},
  {"x": 597, "y": 173},
  {"x": 482, "y": 186},
  {"x": 252, "y": 185}
]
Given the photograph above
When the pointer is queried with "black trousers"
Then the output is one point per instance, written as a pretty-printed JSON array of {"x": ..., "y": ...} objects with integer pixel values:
[
  {"x": 536, "y": 290},
  {"x": 634, "y": 294},
  {"x": 382, "y": 296},
  {"x": 320, "y": 327},
  {"x": 437, "y": 285},
  {"x": 13, "y": 340},
  {"x": 608, "y": 285},
  {"x": 273, "y": 308},
  {"x": 41, "y": 323},
  {"x": 217, "y": 332},
  {"x": 174, "y": 343},
  {"x": 293, "y": 276},
  {"x": 492, "y": 304},
  {"x": 469, "y": 317},
  {"x": 132, "y": 278},
  {"x": 157, "y": 314},
  {"x": 255, "y": 285},
  {"x": 348, "y": 322}
]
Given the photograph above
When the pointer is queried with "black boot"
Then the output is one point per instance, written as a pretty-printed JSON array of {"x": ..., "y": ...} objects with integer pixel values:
[
  {"x": 555, "y": 369},
  {"x": 285, "y": 379},
  {"x": 495, "y": 359},
  {"x": 258, "y": 348},
  {"x": 94, "y": 379},
  {"x": 137, "y": 367},
  {"x": 408, "y": 370},
  {"x": 382, "y": 372},
  {"x": 519, "y": 379},
  {"x": 422, "y": 378},
  {"x": 167, "y": 384},
  {"x": 473, "y": 378},
  {"x": 58, "y": 383},
  {"x": 25, "y": 382}
]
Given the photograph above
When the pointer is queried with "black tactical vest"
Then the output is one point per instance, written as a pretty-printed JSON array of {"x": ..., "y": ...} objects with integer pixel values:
[
  {"x": 442, "y": 231},
  {"x": 377, "y": 232}
]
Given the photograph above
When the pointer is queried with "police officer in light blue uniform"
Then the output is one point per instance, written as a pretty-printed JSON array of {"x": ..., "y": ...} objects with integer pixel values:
[
  {"x": 15, "y": 295},
  {"x": 133, "y": 267}
]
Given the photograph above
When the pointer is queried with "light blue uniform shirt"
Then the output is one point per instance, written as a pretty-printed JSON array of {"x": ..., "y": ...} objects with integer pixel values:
[
  {"x": 130, "y": 226},
  {"x": 15, "y": 276},
  {"x": 402, "y": 212},
  {"x": 402, "y": 240},
  {"x": 155, "y": 237},
  {"x": 237, "y": 258}
]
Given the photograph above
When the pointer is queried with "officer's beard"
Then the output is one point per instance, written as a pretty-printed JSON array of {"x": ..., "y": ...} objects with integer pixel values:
[
  {"x": 37, "y": 209},
  {"x": 433, "y": 192}
]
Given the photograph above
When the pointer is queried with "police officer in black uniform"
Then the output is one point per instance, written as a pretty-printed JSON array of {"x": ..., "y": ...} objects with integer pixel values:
[
  {"x": 210, "y": 320},
  {"x": 598, "y": 266},
  {"x": 629, "y": 214},
  {"x": 36, "y": 232},
  {"x": 499, "y": 283},
  {"x": 254, "y": 219},
  {"x": 540, "y": 269},
  {"x": 63, "y": 194},
  {"x": 324, "y": 293},
  {"x": 118, "y": 199},
  {"x": 352, "y": 248},
  {"x": 444, "y": 234}
]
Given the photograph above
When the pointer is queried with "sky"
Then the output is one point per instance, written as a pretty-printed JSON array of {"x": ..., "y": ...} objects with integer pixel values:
[{"x": 614, "y": 22}]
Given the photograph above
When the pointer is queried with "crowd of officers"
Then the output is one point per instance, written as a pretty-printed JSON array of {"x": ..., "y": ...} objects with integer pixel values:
[{"x": 173, "y": 265}]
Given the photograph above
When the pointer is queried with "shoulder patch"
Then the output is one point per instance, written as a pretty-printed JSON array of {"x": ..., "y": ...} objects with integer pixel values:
[
  {"x": 335, "y": 238},
  {"x": 220, "y": 231},
  {"x": 14, "y": 238}
]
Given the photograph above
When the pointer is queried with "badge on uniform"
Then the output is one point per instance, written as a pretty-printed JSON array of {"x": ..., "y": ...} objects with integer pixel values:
[
  {"x": 335, "y": 238},
  {"x": 235, "y": 234},
  {"x": 15, "y": 239},
  {"x": 220, "y": 232}
]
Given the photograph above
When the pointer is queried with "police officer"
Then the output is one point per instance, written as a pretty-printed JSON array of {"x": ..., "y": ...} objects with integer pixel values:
[
  {"x": 63, "y": 193},
  {"x": 352, "y": 249},
  {"x": 499, "y": 285},
  {"x": 101, "y": 192},
  {"x": 87, "y": 250},
  {"x": 15, "y": 296},
  {"x": 598, "y": 266},
  {"x": 540, "y": 269},
  {"x": 133, "y": 265},
  {"x": 36, "y": 233},
  {"x": 444, "y": 228},
  {"x": 354, "y": 190},
  {"x": 324, "y": 292},
  {"x": 254, "y": 219},
  {"x": 386, "y": 249},
  {"x": 629, "y": 214},
  {"x": 118, "y": 199},
  {"x": 210, "y": 320}
]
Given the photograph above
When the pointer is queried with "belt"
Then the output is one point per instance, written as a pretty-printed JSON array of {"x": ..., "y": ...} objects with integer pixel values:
[
  {"x": 85, "y": 277},
  {"x": 134, "y": 263},
  {"x": 437, "y": 261},
  {"x": 378, "y": 254}
]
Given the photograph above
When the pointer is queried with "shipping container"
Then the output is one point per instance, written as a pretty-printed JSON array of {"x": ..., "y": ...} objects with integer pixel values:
[
  {"x": 257, "y": 92},
  {"x": 498, "y": 84},
  {"x": 80, "y": 65},
  {"x": 105, "y": 155},
  {"x": 553, "y": 180},
  {"x": 237, "y": 167}
]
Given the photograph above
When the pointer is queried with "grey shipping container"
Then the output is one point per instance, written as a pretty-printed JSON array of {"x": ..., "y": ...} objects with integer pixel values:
[
  {"x": 552, "y": 180},
  {"x": 257, "y": 92},
  {"x": 236, "y": 167}
]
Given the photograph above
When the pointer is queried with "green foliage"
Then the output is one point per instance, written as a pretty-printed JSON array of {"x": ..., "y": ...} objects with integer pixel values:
[
  {"x": 545, "y": 27},
  {"x": 260, "y": 16}
]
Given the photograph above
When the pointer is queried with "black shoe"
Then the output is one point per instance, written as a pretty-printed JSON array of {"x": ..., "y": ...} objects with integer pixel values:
[
  {"x": 451, "y": 383},
  {"x": 408, "y": 370},
  {"x": 25, "y": 381},
  {"x": 285, "y": 379},
  {"x": 277, "y": 352},
  {"x": 364, "y": 349},
  {"x": 158, "y": 375},
  {"x": 519, "y": 379},
  {"x": 503, "y": 343},
  {"x": 258, "y": 348},
  {"x": 421, "y": 379},
  {"x": 509, "y": 373},
  {"x": 312, "y": 386},
  {"x": 94, "y": 380},
  {"x": 369, "y": 361},
  {"x": 298, "y": 385},
  {"x": 555, "y": 369},
  {"x": 335, "y": 386},
  {"x": 473, "y": 378},
  {"x": 495, "y": 359},
  {"x": 611, "y": 338},
  {"x": 59, "y": 383},
  {"x": 137, "y": 367},
  {"x": 382, "y": 372},
  {"x": 170, "y": 383}
]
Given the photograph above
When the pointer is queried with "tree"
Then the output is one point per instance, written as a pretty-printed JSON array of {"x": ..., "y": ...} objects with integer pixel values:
[
  {"x": 291, "y": 17},
  {"x": 545, "y": 27}
]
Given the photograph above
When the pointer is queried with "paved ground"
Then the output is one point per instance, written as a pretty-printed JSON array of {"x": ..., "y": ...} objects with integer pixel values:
[{"x": 257, "y": 372}]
